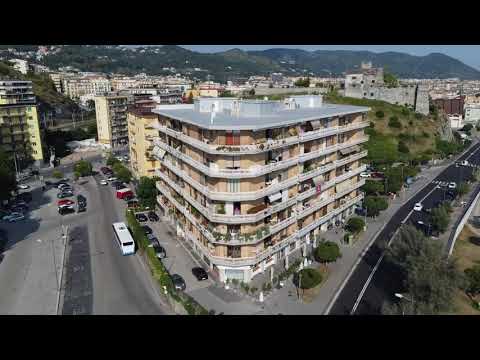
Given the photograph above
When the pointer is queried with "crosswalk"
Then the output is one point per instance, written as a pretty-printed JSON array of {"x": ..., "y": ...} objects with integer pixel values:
[
  {"x": 441, "y": 183},
  {"x": 473, "y": 166}
]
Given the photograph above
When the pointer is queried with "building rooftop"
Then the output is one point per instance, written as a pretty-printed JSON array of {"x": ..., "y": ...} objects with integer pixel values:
[{"x": 236, "y": 114}]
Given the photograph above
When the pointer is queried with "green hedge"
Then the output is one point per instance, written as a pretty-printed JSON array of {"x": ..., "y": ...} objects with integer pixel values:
[{"x": 159, "y": 271}]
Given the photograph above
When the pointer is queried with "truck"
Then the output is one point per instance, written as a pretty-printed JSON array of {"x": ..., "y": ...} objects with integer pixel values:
[{"x": 124, "y": 192}]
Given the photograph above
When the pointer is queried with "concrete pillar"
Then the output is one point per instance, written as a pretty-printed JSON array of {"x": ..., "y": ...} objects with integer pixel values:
[{"x": 263, "y": 266}]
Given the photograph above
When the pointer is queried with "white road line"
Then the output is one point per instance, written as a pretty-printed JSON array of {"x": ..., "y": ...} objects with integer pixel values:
[
  {"x": 468, "y": 157},
  {"x": 365, "y": 286}
]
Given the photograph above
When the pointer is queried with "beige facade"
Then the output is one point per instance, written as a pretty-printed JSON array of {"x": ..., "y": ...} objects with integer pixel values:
[
  {"x": 140, "y": 133},
  {"x": 111, "y": 114},
  {"x": 19, "y": 121},
  {"x": 250, "y": 191}
]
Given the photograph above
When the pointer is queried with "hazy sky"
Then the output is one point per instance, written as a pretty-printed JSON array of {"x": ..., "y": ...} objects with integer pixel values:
[{"x": 469, "y": 54}]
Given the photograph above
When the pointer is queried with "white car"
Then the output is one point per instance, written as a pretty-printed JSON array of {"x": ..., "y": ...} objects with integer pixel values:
[
  {"x": 418, "y": 207},
  {"x": 23, "y": 186},
  {"x": 13, "y": 217},
  {"x": 112, "y": 179},
  {"x": 464, "y": 163},
  {"x": 103, "y": 182},
  {"x": 452, "y": 185},
  {"x": 365, "y": 175}
]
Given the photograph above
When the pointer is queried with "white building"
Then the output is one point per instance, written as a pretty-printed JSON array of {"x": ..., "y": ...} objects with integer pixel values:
[
  {"x": 20, "y": 65},
  {"x": 472, "y": 113},
  {"x": 456, "y": 121}
]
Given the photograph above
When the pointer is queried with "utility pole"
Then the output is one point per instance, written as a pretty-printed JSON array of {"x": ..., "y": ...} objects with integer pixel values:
[{"x": 15, "y": 162}]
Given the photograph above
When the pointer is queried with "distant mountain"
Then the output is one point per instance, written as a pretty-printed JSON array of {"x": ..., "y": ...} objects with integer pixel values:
[{"x": 222, "y": 66}]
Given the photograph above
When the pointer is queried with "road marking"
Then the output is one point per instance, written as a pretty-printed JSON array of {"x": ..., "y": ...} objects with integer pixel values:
[{"x": 370, "y": 277}]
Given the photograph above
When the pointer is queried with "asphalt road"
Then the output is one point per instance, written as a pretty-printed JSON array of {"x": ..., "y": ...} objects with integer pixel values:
[{"x": 374, "y": 281}]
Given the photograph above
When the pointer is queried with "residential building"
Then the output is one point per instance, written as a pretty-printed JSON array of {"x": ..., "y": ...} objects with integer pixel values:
[
  {"x": 140, "y": 132},
  {"x": 456, "y": 121},
  {"x": 111, "y": 113},
  {"x": 78, "y": 86},
  {"x": 472, "y": 113},
  {"x": 20, "y": 65},
  {"x": 252, "y": 183},
  {"x": 19, "y": 122},
  {"x": 452, "y": 105}
]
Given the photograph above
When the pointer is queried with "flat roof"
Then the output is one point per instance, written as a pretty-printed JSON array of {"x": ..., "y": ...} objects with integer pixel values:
[{"x": 225, "y": 121}]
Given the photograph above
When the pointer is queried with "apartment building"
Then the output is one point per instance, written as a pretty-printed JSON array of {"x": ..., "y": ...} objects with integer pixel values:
[
  {"x": 19, "y": 122},
  {"x": 253, "y": 183},
  {"x": 111, "y": 114},
  {"x": 76, "y": 87},
  {"x": 140, "y": 120}
]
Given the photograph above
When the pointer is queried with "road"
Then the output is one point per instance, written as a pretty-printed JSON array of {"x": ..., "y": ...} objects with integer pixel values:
[
  {"x": 105, "y": 282},
  {"x": 374, "y": 281}
]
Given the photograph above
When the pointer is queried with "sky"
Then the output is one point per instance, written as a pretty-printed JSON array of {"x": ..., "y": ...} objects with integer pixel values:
[{"x": 469, "y": 54}]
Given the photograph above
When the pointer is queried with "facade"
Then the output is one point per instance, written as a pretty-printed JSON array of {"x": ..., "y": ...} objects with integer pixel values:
[
  {"x": 20, "y": 65},
  {"x": 19, "y": 122},
  {"x": 472, "y": 113},
  {"x": 76, "y": 87},
  {"x": 451, "y": 106},
  {"x": 252, "y": 183},
  {"x": 111, "y": 113},
  {"x": 140, "y": 132},
  {"x": 456, "y": 121}
]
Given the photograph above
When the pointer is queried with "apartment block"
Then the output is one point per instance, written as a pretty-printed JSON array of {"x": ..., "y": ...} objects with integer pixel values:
[
  {"x": 76, "y": 87},
  {"x": 253, "y": 183},
  {"x": 141, "y": 120},
  {"x": 19, "y": 121},
  {"x": 111, "y": 113}
]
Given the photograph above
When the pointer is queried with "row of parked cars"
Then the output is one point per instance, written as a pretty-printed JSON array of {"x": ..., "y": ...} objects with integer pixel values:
[
  {"x": 17, "y": 207},
  {"x": 65, "y": 204},
  {"x": 178, "y": 281}
]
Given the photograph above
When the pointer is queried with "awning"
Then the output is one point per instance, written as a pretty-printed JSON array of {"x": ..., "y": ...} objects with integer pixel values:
[
  {"x": 350, "y": 150},
  {"x": 275, "y": 197},
  {"x": 318, "y": 180},
  {"x": 316, "y": 124}
]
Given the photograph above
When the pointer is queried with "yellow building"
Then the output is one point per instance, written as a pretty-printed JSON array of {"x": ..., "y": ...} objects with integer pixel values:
[
  {"x": 19, "y": 124},
  {"x": 111, "y": 114},
  {"x": 140, "y": 120}
]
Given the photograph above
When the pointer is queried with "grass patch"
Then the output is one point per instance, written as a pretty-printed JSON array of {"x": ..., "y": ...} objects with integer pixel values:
[{"x": 309, "y": 295}]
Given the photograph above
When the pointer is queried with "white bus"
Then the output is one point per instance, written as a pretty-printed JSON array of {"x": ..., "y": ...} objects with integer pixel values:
[{"x": 124, "y": 238}]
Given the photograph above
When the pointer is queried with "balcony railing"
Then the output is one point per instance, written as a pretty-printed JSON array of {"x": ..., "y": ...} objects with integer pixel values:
[
  {"x": 258, "y": 170},
  {"x": 262, "y": 147}
]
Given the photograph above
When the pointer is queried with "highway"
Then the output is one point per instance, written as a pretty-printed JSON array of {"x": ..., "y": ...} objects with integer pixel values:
[{"x": 374, "y": 281}]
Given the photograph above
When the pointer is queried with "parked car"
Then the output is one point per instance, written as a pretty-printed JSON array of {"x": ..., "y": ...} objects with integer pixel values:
[
  {"x": 418, "y": 207},
  {"x": 19, "y": 208},
  {"x": 153, "y": 241},
  {"x": 64, "y": 210},
  {"x": 63, "y": 185},
  {"x": 377, "y": 175},
  {"x": 81, "y": 208},
  {"x": 116, "y": 183},
  {"x": 159, "y": 251},
  {"x": 452, "y": 185},
  {"x": 14, "y": 217},
  {"x": 365, "y": 175},
  {"x": 23, "y": 186},
  {"x": 141, "y": 217},
  {"x": 65, "y": 202},
  {"x": 112, "y": 178},
  {"x": 103, "y": 182},
  {"x": 200, "y": 273},
  {"x": 178, "y": 282},
  {"x": 152, "y": 216},
  {"x": 464, "y": 163},
  {"x": 63, "y": 195},
  {"x": 147, "y": 229},
  {"x": 82, "y": 200},
  {"x": 361, "y": 211},
  {"x": 26, "y": 196}
]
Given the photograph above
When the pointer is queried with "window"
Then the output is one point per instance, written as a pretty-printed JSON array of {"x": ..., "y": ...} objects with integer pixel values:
[{"x": 233, "y": 185}]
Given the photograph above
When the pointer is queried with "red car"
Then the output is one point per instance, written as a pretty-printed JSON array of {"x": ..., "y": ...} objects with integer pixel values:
[{"x": 65, "y": 202}]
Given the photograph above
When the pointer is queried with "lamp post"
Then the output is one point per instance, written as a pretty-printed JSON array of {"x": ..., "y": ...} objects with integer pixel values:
[{"x": 403, "y": 297}]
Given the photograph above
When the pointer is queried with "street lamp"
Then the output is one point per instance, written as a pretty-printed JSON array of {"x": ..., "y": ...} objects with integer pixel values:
[{"x": 403, "y": 297}]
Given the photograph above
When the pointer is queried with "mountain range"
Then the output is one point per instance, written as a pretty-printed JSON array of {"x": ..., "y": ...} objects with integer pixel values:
[{"x": 221, "y": 66}]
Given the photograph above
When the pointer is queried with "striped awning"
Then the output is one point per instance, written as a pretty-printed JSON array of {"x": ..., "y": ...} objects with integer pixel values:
[
  {"x": 275, "y": 197},
  {"x": 350, "y": 150}
]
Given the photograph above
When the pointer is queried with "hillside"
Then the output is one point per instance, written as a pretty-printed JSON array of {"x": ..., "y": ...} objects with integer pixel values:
[
  {"x": 225, "y": 65},
  {"x": 47, "y": 96}
]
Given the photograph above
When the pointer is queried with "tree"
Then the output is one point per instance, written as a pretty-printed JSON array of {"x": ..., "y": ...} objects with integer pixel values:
[
  {"x": 122, "y": 173},
  {"x": 307, "y": 278},
  {"x": 112, "y": 160},
  {"x": 440, "y": 219},
  {"x": 302, "y": 82},
  {"x": 403, "y": 148},
  {"x": 472, "y": 276},
  {"x": 374, "y": 205},
  {"x": 57, "y": 174},
  {"x": 83, "y": 168},
  {"x": 380, "y": 114},
  {"x": 390, "y": 80},
  {"x": 430, "y": 279},
  {"x": 8, "y": 181},
  {"x": 373, "y": 187},
  {"x": 76, "y": 175},
  {"x": 463, "y": 188},
  {"x": 147, "y": 191},
  {"x": 394, "y": 123},
  {"x": 251, "y": 92},
  {"x": 355, "y": 225},
  {"x": 467, "y": 127},
  {"x": 326, "y": 252},
  {"x": 92, "y": 130}
]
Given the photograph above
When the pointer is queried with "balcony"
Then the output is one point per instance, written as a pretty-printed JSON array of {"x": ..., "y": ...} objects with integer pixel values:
[{"x": 262, "y": 147}]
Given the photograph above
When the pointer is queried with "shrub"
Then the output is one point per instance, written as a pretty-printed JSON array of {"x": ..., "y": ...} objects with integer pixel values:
[
  {"x": 405, "y": 112},
  {"x": 394, "y": 123},
  {"x": 418, "y": 116},
  {"x": 112, "y": 160},
  {"x": 403, "y": 148},
  {"x": 373, "y": 187},
  {"x": 380, "y": 114},
  {"x": 307, "y": 278},
  {"x": 463, "y": 188},
  {"x": 425, "y": 134},
  {"x": 473, "y": 280},
  {"x": 83, "y": 168},
  {"x": 326, "y": 252},
  {"x": 374, "y": 205},
  {"x": 355, "y": 225},
  {"x": 57, "y": 174}
]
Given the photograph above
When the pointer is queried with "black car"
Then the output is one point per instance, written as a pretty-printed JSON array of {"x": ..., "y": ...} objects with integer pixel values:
[
  {"x": 141, "y": 217},
  {"x": 178, "y": 282},
  {"x": 81, "y": 200},
  {"x": 63, "y": 195},
  {"x": 116, "y": 183},
  {"x": 64, "y": 210},
  {"x": 152, "y": 216},
  {"x": 147, "y": 229},
  {"x": 159, "y": 251},
  {"x": 26, "y": 196},
  {"x": 120, "y": 186},
  {"x": 81, "y": 208},
  {"x": 200, "y": 273}
]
